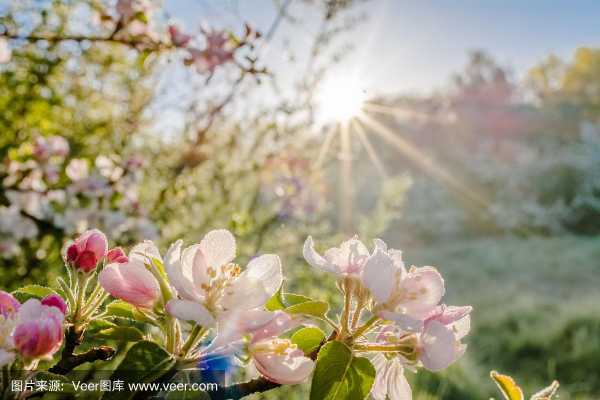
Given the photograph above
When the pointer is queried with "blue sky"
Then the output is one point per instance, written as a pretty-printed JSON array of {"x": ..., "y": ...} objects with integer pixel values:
[{"x": 416, "y": 45}]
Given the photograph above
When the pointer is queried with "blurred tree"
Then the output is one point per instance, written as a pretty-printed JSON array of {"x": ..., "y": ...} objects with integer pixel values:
[{"x": 84, "y": 97}]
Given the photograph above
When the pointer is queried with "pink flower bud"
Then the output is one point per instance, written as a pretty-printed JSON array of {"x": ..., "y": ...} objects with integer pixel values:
[
  {"x": 8, "y": 304},
  {"x": 87, "y": 250},
  {"x": 55, "y": 300},
  {"x": 39, "y": 330},
  {"x": 130, "y": 282},
  {"x": 116, "y": 255}
]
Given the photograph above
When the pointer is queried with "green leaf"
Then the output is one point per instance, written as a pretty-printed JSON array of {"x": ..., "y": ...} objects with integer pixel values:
[
  {"x": 122, "y": 309},
  {"x": 122, "y": 333},
  {"x": 297, "y": 304},
  {"x": 144, "y": 362},
  {"x": 32, "y": 291},
  {"x": 159, "y": 265},
  {"x": 99, "y": 324},
  {"x": 341, "y": 376},
  {"x": 308, "y": 339},
  {"x": 507, "y": 386},
  {"x": 291, "y": 299},
  {"x": 312, "y": 308},
  {"x": 275, "y": 302}
]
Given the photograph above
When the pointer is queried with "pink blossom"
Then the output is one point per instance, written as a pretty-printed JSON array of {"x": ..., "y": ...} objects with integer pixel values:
[
  {"x": 218, "y": 51},
  {"x": 178, "y": 38},
  {"x": 87, "y": 250},
  {"x": 130, "y": 282},
  {"x": 130, "y": 9},
  {"x": 116, "y": 255},
  {"x": 39, "y": 330},
  {"x": 440, "y": 342},
  {"x": 346, "y": 260},
  {"x": 405, "y": 297},
  {"x": 8, "y": 304},
  {"x": 278, "y": 360},
  {"x": 50, "y": 146},
  {"x": 54, "y": 300}
]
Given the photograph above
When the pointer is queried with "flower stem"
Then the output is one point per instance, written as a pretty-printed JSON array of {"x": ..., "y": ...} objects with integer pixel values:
[
  {"x": 402, "y": 348},
  {"x": 356, "y": 315},
  {"x": 374, "y": 320},
  {"x": 194, "y": 337},
  {"x": 82, "y": 282},
  {"x": 347, "y": 285}
]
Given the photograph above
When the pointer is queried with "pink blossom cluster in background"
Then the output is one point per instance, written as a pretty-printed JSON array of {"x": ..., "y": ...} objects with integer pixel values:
[{"x": 43, "y": 183}]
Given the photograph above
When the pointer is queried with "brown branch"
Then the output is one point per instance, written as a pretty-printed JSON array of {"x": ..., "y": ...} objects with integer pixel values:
[
  {"x": 82, "y": 38},
  {"x": 69, "y": 360}
]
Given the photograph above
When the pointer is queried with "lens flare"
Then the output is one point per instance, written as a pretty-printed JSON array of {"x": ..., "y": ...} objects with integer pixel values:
[{"x": 340, "y": 100}]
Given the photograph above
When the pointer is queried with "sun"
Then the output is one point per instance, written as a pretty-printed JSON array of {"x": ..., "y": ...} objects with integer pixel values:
[{"x": 340, "y": 100}]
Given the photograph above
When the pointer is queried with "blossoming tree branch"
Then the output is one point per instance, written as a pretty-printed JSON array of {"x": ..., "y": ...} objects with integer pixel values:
[{"x": 194, "y": 304}]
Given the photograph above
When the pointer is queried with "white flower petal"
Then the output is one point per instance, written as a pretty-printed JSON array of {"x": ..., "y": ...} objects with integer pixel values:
[
  {"x": 218, "y": 247},
  {"x": 256, "y": 285},
  {"x": 200, "y": 269},
  {"x": 379, "y": 389},
  {"x": 379, "y": 244},
  {"x": 350, "y": 257},
  {"x": 439, "y": 346},
  {"x": 266, "y": 269},
  {"x": 142, "y": 251},
  {"x": 246, "y": 293},
  {"x": 462, "y": 327},
  {"x": 315, "y": 259},
  {"x": 284, "y": 369},
  {"x": 403, "y": 321},
  {"x": 190, "y": 311},
  {"x": 180, "y": 274},
  {"x": 379, "y": 275},
  {"x": 397, "y": 385}
]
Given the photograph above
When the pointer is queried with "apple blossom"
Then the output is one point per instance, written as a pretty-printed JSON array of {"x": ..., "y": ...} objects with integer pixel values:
[
  {"x": 39, "y": 330},
  {"x": 77, "y": 169},
  {"x": 87, "y": 250},
  {"x": 8, "y": 304},
  {"x": 129, "y": 9},
  {"x": 210, "y": 286},
  {"x": 7, "y": 351},
  {"x": 390, "y": 382},
  {"x": 406, "y": 297},
  {"x": 440, "y": 341},
  {"x": 116, "y": 255},
  {"x": 130, "y": 281},
  {"x": 50, "y": 146},
  {"x": 277, "y": 359},
  {"x": 218, "y": 51},
  {"x": 54, "y": 300},
  {"x": 346, "y": 260},
  {"x": 178, "y": 38}
]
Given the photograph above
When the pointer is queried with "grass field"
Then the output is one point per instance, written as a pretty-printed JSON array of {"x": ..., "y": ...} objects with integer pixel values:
[{"x": 537, "y": 313}]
